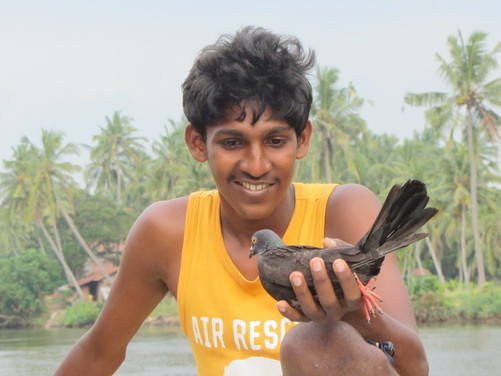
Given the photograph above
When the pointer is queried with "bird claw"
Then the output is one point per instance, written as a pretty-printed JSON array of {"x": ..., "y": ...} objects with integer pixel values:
[{"x": 369, "y": 300}]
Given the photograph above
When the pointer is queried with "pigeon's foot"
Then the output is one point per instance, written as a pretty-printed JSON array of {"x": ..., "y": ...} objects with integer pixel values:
[{"x": 369, "y": 300}]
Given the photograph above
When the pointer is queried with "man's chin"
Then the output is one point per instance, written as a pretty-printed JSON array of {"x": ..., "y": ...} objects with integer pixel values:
[{"x": 255, "y": 212}]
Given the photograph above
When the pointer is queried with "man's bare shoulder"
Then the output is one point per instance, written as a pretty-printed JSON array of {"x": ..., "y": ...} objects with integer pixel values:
[
  {"x": 165, "y": 217},
  {"x": 351, "y": 210},
  {"x": 156, "y": 239}
]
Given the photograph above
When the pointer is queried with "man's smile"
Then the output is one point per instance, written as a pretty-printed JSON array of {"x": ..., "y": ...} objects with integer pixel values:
[{"x": 254, "y": 187}]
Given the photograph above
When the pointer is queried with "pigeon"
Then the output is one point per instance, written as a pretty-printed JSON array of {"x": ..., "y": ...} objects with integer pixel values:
[{"x": 403, "y": 212}]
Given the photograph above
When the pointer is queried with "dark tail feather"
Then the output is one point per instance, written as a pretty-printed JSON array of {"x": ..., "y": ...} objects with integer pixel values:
[
  {"x": 386, "y": 248},
  {"x": 402, "y": 214}
]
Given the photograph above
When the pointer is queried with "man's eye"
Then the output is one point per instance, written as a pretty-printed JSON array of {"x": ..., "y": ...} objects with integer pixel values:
[
  {"x": 277, "y": 141},
  {"x": 231, "y": 143}
]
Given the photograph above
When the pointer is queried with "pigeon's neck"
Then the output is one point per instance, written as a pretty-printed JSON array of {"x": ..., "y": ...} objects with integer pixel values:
[{"x": 274, "y": 243}]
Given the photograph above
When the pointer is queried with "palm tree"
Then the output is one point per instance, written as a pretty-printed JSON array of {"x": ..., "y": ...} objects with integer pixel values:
[
  {"x": 336, "y": 115},
  {"x": 468, "y": 105},
  {"x": 455, "y": 171},
  {"x": 55, "y": 182},
  {"x": 162, "y": 179},
  {"x": 137, "y": 195},
  {"x": 17, "y": 187},
  {"x": 407, "y": 165},
  {"x": 115, "y": 154},
  {"x": 173, "y": 171},
  {"x": 14, "y": 183}
]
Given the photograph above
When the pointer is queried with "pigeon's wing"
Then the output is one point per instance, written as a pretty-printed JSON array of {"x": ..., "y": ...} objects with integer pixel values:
[
  {"x": 276, "y": 265},
  {"x": 302, "y": 248}
]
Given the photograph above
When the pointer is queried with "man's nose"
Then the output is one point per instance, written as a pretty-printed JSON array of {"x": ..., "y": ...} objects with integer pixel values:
[{"x": 255, "y": 162}]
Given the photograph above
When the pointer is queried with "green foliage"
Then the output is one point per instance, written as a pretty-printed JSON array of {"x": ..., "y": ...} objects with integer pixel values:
[
  {"x": 479, "y": 303},
  {"x": 116, "y": 154},
  {"x": 432, "y": 307},
  {"x": 82, "y": 313},
  {"x": 24, "y": 280},
  {"x": 423, "y": 284},
  {"x": 467, "y": 111},
  {"x": 435, "y": 302},
  {"x": 430, "y": 303},
  {"x": 102, "y": 222}
]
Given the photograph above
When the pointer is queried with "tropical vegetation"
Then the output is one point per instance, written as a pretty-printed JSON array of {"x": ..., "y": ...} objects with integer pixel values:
[{"x": 55, "y": 214}]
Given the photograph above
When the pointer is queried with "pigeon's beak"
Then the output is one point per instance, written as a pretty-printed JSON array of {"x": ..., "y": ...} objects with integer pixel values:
[{"x": 252, "y": 251}]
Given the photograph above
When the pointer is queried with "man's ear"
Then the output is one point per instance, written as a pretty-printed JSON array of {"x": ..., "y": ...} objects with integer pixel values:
[
  {"x": 303, "y": 141},
  {"x": 196, "y": 143}
]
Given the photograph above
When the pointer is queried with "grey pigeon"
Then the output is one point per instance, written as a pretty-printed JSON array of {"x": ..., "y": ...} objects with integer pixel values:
[{"x": 402, "y": 214}]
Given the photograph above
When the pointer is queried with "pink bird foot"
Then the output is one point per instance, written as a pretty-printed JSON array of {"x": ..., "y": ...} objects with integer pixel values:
[{"x": 369, "y": 300}]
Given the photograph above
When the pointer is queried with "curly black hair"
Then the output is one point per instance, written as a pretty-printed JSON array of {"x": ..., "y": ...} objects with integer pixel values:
[{"x": 253, "y": 68}]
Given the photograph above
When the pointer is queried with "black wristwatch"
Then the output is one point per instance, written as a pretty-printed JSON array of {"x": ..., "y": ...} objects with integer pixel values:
[{"x": 386, "y": 347}]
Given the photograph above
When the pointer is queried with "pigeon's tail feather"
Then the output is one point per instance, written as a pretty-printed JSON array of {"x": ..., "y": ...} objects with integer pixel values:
[{"x": 402, "y": 214}]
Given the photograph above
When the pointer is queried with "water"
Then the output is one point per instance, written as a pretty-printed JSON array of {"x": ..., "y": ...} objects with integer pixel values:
[
  {"x": 452, "y": 350},
  {"x": 463, "y": 350},
  {"x": 153, "y": 351}
]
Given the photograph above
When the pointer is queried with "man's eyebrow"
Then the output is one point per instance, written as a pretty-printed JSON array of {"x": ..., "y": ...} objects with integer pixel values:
[
  {"x": 235, "y": 133},
  {"x": 229, "y": 132},
  {"x": 278, "y": 130}
]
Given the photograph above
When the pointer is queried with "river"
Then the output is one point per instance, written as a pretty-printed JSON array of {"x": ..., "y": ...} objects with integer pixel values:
[{"x": 452, "y": 351}]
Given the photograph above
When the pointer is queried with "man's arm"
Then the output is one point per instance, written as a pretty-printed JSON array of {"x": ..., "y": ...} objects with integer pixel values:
[
  {"x": 351, "y": 211},
  {"x": 152, "y": 245}
]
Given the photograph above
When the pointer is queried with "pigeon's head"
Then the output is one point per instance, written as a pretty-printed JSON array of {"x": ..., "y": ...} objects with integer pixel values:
[{"x": 264, "y": 240}]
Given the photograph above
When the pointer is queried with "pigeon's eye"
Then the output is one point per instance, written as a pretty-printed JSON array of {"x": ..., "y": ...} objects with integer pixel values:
[{"x": 253, "y": 240}]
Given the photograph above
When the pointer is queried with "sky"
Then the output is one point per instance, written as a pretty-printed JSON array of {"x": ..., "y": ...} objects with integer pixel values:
[{"x": 66, "y": 65}]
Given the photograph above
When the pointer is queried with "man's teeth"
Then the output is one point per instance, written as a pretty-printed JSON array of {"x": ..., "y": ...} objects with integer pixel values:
[{"x": 254, "y": 187}]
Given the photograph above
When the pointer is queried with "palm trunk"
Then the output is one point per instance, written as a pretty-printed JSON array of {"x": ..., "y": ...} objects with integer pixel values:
[
  {"x": 13, "y": 246},
  {"x": 60, "y": 256},
  {"x": 40, "y": 242},
  {"x": 58, "y": 238},
  {"x": 327, "y": 156},
  {"x": 474, "y": 203},
  {"x": 405, "y": 267},
  {"x": 325, "y": 153},
  {"x": 119, "y": 187},
  {"x": 436, "y": 263},
  {"x": 417, "y": 255},
  {"x": 327, "y": 169},
  {"x": 463, "y": 247},
  {"x": 83, "y": 243}
]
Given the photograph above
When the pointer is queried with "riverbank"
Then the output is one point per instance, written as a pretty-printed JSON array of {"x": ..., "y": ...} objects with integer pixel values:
[
  {"x": 435, "y": 304},
  {"x": 438, "y": 303}
]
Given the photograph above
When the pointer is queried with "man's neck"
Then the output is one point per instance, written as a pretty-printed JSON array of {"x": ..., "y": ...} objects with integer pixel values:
[{"x": 241, "y": 229}]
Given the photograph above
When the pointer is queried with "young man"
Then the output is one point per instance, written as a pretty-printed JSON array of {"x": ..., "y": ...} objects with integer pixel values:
[{"x": 247, "y": 100}]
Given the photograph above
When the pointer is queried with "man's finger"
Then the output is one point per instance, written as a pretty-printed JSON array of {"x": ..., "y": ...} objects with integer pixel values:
[
  {"x": 348, "y": 283},
  {"x": 303, "y": 294},
  {"x": 334, "y": 242},
  {"x": 325, "y": 291},
  {"x": 289, "y": 312}
]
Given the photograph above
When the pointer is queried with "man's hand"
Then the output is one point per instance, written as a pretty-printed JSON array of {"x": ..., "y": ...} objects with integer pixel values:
[{"x": 330, "y": 307}]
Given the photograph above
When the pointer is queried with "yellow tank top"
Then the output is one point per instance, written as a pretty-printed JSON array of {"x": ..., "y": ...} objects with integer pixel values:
[{"x": 231, "y": 322}]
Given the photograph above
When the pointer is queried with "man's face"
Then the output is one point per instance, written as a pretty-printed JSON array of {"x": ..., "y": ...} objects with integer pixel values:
[{"x": 253, "y": 165}]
